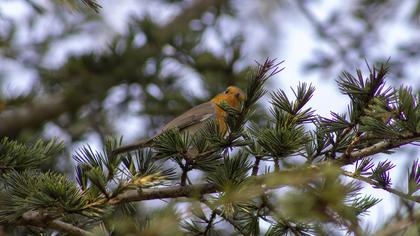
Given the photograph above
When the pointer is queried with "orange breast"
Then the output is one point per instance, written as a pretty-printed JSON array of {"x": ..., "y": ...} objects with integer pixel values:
[{"x": 232, "y": 101}]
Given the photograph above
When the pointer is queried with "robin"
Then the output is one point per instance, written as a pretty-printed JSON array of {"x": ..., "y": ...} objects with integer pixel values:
[{"x": 195, "y": 118}]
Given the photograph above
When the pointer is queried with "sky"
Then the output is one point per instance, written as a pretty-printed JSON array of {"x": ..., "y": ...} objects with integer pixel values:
[{"x": 298, "y": 42}]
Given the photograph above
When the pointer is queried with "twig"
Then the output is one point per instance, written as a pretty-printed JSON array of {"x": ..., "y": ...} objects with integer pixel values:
[
  {"x": 372, "y": 182},
  {"x": 184, "y": 174},
  {"x": 379, "y": 147},
  {"x": 41, "y": 219},
  {"x": 220, "y": 213},
  {"x": 277, "y": 180},
  {"x": 210, "y": 222},
  {"x": 165, "y": 192},
  {"x": 268, "y": 69},
  {"x": 256, "y": 165},
  {"x": 276, "y": 165},
  {"x": 68, "y": 228}
]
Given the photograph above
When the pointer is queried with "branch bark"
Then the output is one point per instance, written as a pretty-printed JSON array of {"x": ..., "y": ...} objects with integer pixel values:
[
  {"x": 43, "y": 220},
  {"x": 165, "y": 192},
  {"x": 390, "y": 190},
  {"x": 68, "y": 228},
  {"x": 256, "y": 166},
  {"x": 383, "y": 146},
  {"x": 29, "y": 116}
]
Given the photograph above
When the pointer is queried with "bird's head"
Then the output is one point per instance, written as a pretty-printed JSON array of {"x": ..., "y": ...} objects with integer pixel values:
[
  {"x": 233, "y": 96},
  {"x": 235, "y": 93}
]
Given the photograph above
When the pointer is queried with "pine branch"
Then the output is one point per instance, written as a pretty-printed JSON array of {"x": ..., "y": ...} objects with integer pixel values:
[
  {"x": 254, "y": 91},
  {"x": 68, "y": 228},
  {"x": 271, "y": 181},
  {"x": 18, "y": 156},
  {"x": 39, "y": 219},
  {"x": 388, "y": 189},
  {"x": 379, "y": 147},
  {"x": 164, "y": 192}
]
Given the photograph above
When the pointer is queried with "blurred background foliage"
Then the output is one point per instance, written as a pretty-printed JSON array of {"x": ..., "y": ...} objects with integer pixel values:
[{"x": 81, "y": 72}]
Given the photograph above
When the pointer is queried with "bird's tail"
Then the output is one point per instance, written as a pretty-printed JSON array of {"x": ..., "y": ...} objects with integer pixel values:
[{"x": 140, "y": 144}]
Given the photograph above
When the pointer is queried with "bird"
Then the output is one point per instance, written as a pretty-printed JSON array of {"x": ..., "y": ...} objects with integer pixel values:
[{"x": 195, "y": 118}]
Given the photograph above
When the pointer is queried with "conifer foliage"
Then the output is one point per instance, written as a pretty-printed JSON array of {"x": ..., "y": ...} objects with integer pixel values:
[{"x": 282, "y": 174}]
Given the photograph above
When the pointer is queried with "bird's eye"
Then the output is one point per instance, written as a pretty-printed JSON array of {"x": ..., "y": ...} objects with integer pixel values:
[
  {"x": 227, "y": 91},
  {"x": 237, "y": 95}
]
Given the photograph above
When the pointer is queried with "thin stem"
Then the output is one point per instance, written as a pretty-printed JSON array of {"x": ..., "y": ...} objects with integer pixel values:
[
  {"x": 210, "y": 222},
  {"x": 375, "y": 149},
  {"x": 220, "y": 213},
  {"x": 373, "y": 183},
  {"x": 68, "y": 228},
  {"x": 276, "y": 165},
  {"x": 184, "y": 177},
  {"x": 43, "y": 220},
  {"x": 185, "y": 169},
  {"x": 256, "y": 165},
  {"x": 163, "y": 192}
]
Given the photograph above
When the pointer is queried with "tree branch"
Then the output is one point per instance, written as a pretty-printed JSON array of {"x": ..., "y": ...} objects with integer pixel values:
[
  {"x": 165, "y": 192},
  {"x": 373, "y": 183},
  {"x": 270, "y": 181},
  {"x": 68, "y": 228},
  {"x": 379, "y": 147},
  {"x": 43, "y": 220},
  {"x": 256, "y": 166},
  {"x": 11, "y": 122}
]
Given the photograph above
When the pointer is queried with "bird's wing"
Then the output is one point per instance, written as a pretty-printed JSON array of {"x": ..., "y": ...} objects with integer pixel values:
[{"x": 191, "y": 117}]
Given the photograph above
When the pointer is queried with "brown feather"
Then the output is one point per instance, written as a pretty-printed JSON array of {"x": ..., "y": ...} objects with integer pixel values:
[
  {"x": 190, "y": 121},
  {"x": 191, "y": 117}
]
